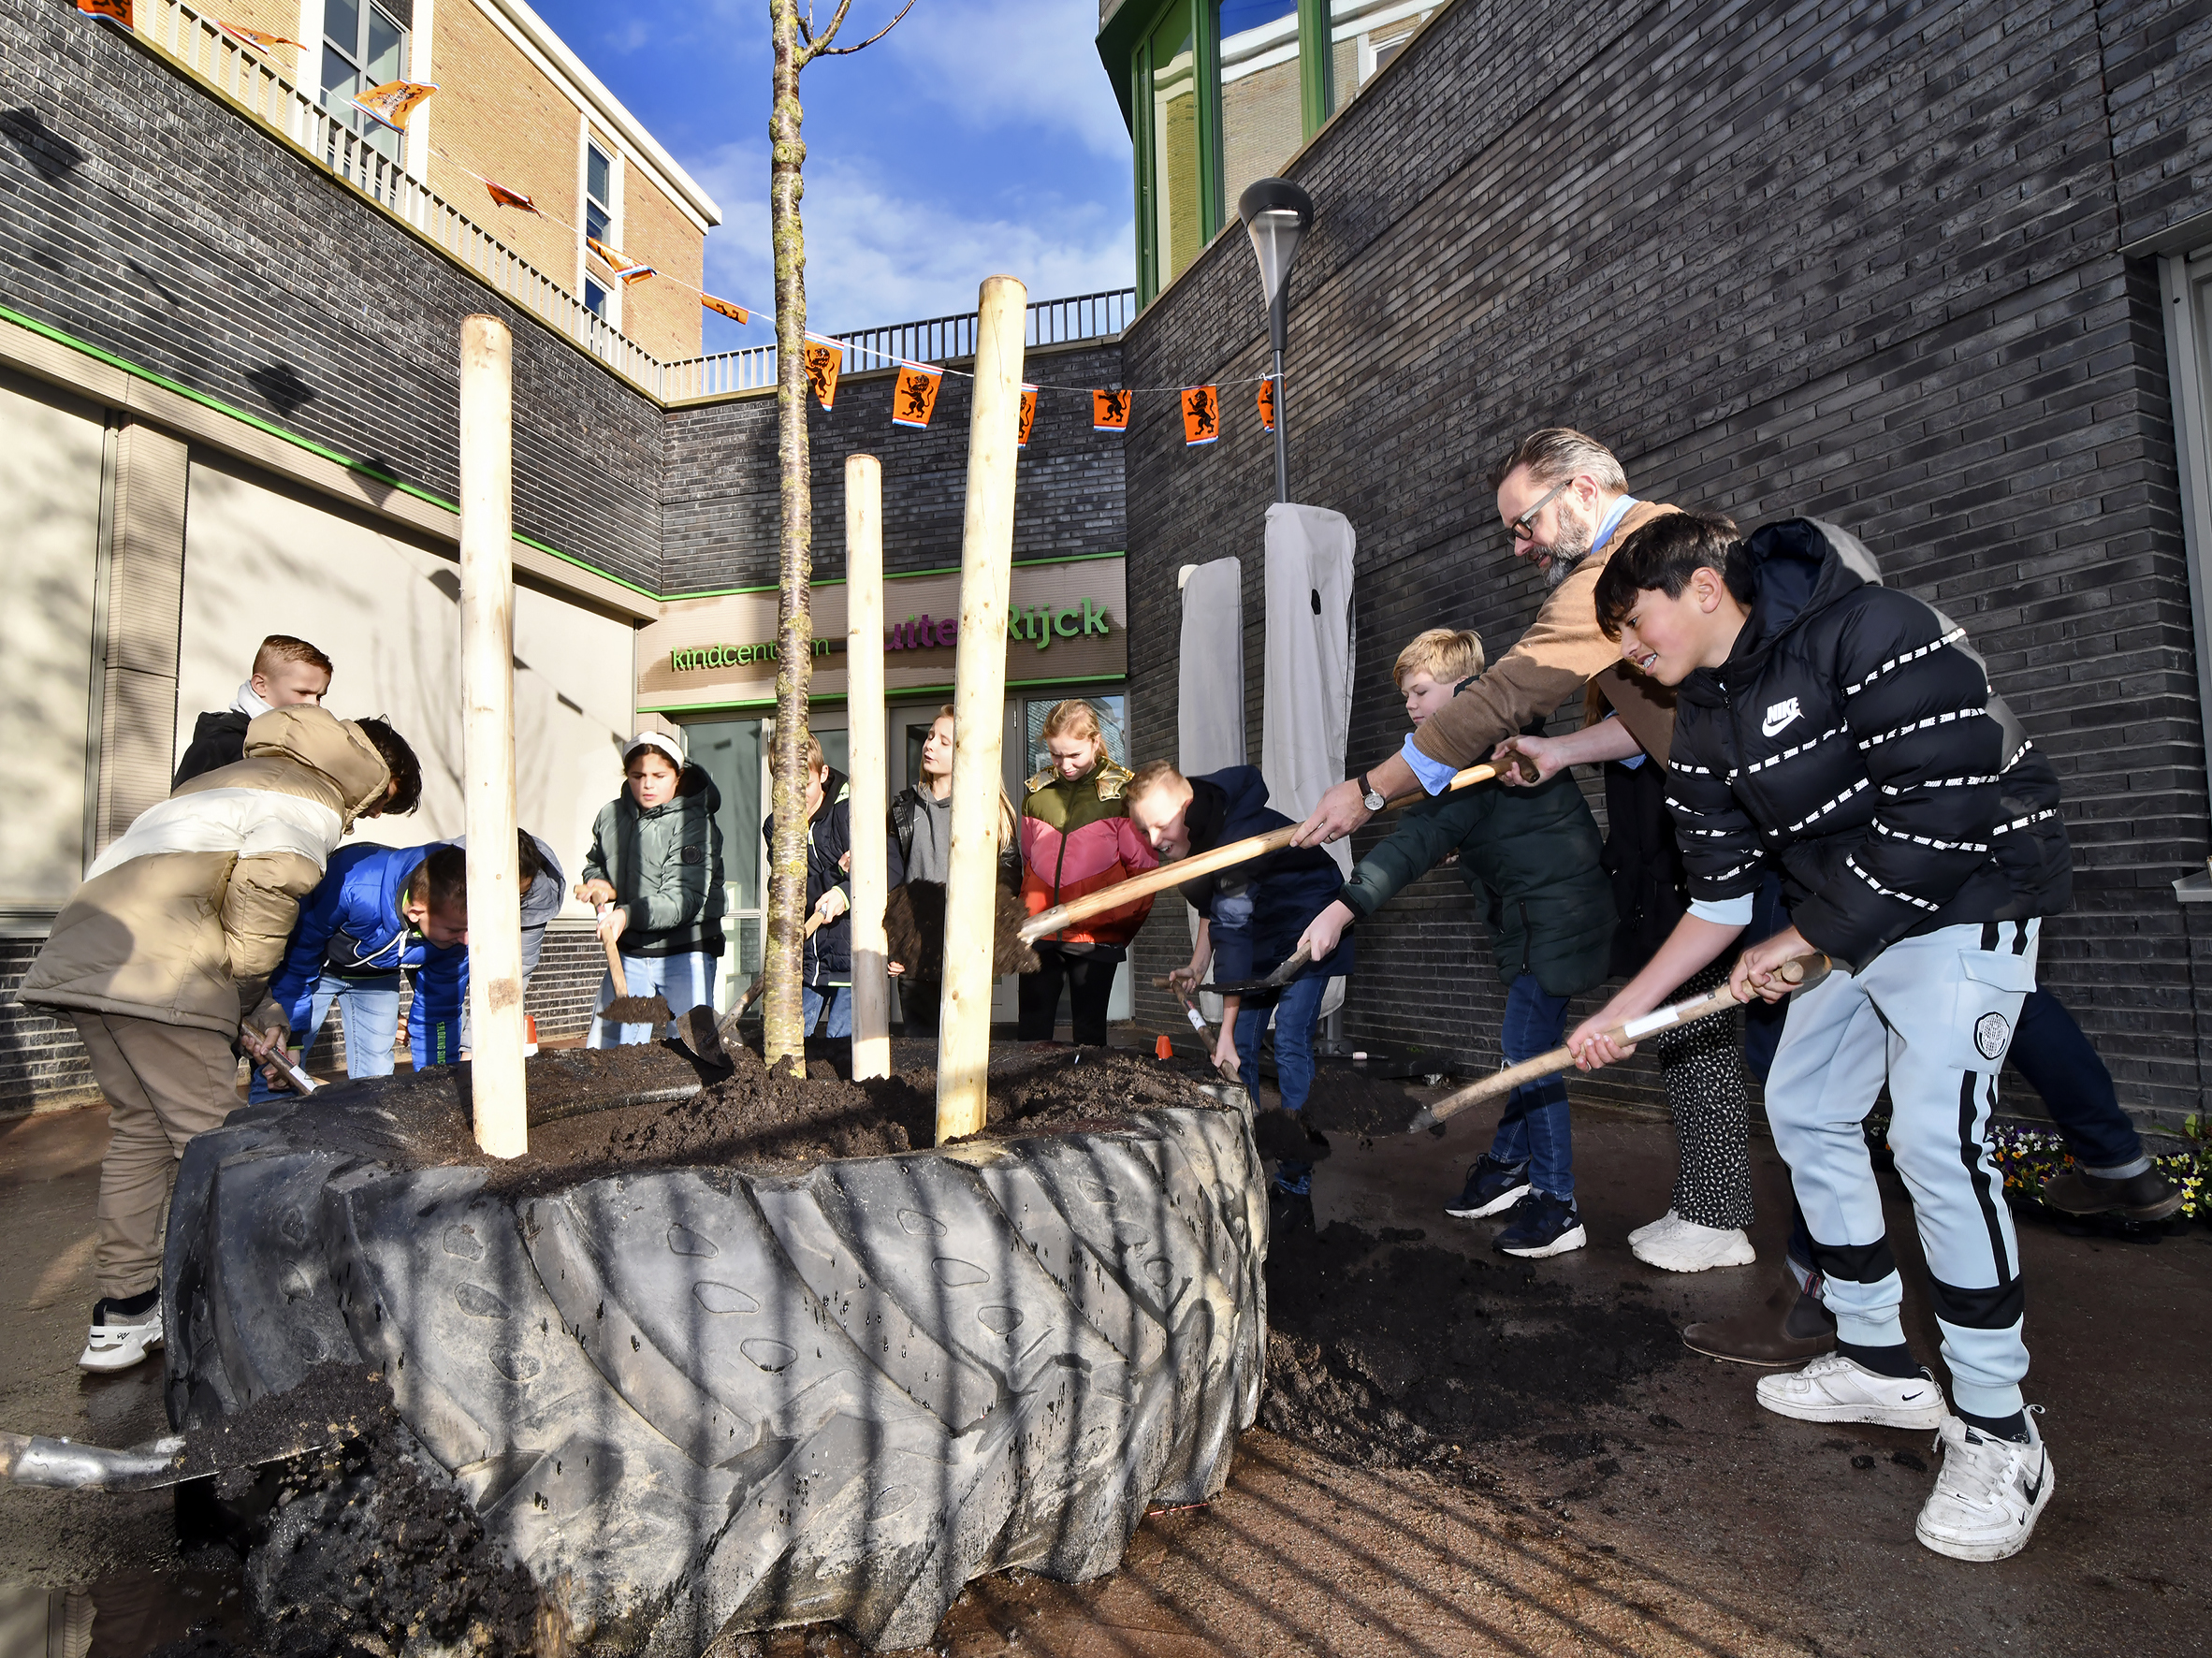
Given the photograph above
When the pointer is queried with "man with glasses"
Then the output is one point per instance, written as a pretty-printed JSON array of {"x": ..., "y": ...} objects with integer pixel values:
[{"x": 1564, "y": 503}]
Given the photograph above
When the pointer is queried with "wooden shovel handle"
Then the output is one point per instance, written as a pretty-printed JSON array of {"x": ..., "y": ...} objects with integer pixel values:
[
  {"x": 614, "y": 959},
  {"x": 753, "y": 990},
  {"x": 1221, "y": 857},
  {"x": 1799, "y": 970}
]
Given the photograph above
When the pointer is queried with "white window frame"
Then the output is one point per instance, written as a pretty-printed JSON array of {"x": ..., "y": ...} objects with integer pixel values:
[
  {"x": 612, "y": 315},
  {"x": 2185, "y": 289}
]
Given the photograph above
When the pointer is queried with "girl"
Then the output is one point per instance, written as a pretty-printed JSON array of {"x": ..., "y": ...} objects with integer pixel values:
[
  {"x": 920, "y": 847},
  {"x": 656, "y": 868},
  {"x": 1077, "y": 839}
]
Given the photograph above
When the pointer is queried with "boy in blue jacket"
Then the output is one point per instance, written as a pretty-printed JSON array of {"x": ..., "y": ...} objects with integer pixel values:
[
  {"x": 380, "y": 908},
  {"x": 1252, "y": 916}
]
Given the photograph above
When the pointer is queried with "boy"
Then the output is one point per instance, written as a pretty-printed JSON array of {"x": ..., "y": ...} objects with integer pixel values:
[
  {"x": 286, "y": 673},
  {"x": 1841, "y": 730},
  {"x": 827, "y": 978},
  {"x": 1253, "y": 916},
  {"x": 170, "y": 939},
  {"x": 1534, "y": 856},
  {"x": 379, "y": 910}
]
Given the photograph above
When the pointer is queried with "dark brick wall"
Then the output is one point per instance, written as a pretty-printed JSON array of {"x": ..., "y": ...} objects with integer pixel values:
[
  {"x": 40, "y": 1058},
  {"x": 720, "y": 508},
  {"x": 1857, "y": 260},
  {"x": 145, "y": 217}
]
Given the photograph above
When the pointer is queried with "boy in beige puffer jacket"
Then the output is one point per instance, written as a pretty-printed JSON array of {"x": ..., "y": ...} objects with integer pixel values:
[{"x": 168, "y": 947}]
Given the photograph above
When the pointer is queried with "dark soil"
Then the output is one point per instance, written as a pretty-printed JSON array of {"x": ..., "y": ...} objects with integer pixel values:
[
  {"x": 1348, "y": 1100},
  {"x": 361, "y": 1548},
  {"x": 1387, "y": 1352},
  {"x": 914, "y": 931}
]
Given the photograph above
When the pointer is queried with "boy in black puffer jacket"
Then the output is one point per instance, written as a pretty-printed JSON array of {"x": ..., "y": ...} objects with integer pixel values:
[
  {"x": 1844, "y": 731},
  {"x": 828, "y": 968},
  {"x": 1533, "y": 855}
]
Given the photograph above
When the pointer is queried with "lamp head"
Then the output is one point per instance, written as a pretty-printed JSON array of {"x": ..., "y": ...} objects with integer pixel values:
[{"x": 1276, "y": 215}]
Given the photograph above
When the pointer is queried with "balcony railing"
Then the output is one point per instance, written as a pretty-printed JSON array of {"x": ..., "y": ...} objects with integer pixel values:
[
  {"x": 193, "y": 41},
  {"x": 934, "y": 340}
]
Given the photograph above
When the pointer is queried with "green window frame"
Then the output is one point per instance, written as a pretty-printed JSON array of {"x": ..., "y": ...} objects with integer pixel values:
[{"x": 1139, "y": 27}]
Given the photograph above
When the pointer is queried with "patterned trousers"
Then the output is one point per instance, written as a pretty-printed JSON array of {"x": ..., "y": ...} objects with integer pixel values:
[{"x": 1702, "y": 1065}]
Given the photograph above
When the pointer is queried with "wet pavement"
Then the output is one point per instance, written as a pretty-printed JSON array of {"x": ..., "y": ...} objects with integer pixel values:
[{"x": 1676, "y": 1518}]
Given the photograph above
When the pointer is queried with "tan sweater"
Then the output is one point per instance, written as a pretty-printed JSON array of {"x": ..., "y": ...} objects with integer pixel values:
[
  {"x": 187, "y": 913},
  {"x": 1563, "y": 651}
]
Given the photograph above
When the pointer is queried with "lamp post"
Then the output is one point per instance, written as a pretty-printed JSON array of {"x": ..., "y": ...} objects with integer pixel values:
[{"x": 1276, "y": 215}]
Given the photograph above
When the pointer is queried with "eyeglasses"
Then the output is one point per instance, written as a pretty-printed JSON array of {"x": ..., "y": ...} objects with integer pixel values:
[{"x": 1518, "y": 530}]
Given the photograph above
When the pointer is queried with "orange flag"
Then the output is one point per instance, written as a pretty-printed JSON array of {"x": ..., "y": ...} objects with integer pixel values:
[
  {"x": 259, "y": 39},
  {"x": 1202, "y": 414},
  {"x": 915, "y": 395},
  {"x": 736, "y": 314},
  {"x": 1267, "y": 405},
  {"x": 628, "y": 269},
  {"x": 823, "y": 360},
  {"x": 115, "y": 11},
  {"x": 1110, "y": 411},
  {"x": 1029, "y": 416},
  {"x": 394, "y": 101},
  {"x": 506, "y": 197}
]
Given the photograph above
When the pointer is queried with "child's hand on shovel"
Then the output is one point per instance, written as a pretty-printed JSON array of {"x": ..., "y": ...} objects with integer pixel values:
[{"x": 267, "y": 1051}]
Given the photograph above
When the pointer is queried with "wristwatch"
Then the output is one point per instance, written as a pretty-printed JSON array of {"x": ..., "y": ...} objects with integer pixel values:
[{"x": 1370, "y": 797}]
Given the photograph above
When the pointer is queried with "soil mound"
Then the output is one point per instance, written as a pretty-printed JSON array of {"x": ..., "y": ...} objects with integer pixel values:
[
  {"x": 361, "y": 1548},
  {"x": 1393, "y": 1354}
]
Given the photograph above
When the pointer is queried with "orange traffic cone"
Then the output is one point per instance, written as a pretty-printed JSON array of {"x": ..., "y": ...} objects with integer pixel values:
[
  {"x": 530, "y": 1034},
  {"x": 1163, "y": 1049}
]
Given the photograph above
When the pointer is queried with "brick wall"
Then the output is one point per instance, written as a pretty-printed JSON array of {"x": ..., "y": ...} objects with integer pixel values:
[
  {"x": 148, "y": 218},
  {"x": 1860, "y": 262},
  {"x": 721, "y": 509},
  {"x": 40, "y": 1058},
  {"x": 662, "y": 316}
]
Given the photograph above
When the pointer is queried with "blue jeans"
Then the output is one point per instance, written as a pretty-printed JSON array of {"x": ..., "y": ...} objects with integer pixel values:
[
  {"x": 837, "y": 998},
  {"x": 686, "y": 982},
  {"x": 369, "y": 1010},
  {"x": 1535, "y": 1129},
  {"x": 1295, "y": 1010}
]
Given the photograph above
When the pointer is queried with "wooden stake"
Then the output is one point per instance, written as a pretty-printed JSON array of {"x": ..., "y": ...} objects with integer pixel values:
[
  {"x": 871, "y": 808},
  {"x": 487, "y": 734},
  {"x": 978, "y": 709}
]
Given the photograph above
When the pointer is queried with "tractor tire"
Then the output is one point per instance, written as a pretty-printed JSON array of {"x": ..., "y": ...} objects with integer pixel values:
[{"x": 693, "y": 1399}]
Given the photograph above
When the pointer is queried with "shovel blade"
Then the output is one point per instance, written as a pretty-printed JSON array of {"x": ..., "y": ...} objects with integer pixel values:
[{"x": 703, "y": 1039}]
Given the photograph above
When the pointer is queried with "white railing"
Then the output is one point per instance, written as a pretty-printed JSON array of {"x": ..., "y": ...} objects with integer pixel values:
[
  {"x": 195, "y": 43},
  {"x": 934, "y": 340}
]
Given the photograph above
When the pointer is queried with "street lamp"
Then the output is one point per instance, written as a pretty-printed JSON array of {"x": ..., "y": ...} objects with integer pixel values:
[{"x": 1277, "y": 214}]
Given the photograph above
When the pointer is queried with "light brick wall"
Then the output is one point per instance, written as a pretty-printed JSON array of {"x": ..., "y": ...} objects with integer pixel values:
[
  {"x": 659, "y": 315},
  {"x": 499, "y": 115}
]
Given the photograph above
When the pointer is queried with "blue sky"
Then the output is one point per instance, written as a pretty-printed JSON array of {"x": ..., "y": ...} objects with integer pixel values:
[{"x": 978, "y": 135}]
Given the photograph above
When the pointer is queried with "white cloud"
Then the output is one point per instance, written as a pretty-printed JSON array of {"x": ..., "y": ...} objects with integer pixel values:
[
  {"x": 998, "y": 65},
  {"x": 874, "y": 257}
]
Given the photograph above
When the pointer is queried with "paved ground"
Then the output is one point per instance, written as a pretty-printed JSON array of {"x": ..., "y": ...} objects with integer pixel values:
[{"x": 1680, "y": 1519}]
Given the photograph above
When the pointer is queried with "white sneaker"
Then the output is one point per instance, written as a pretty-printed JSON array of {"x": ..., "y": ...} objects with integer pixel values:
[
  {"x": 1988, "y": 1493},
  {"x": 1688, "y": 1247},
  {"x": 1833, "y": 1388},
  {"x": 1665, "y": 1223},
  {"x": 119, "y": 1341}
]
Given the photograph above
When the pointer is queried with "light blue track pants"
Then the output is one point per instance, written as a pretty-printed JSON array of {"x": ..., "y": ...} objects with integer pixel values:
[{"x": 1932, "y": 1016}]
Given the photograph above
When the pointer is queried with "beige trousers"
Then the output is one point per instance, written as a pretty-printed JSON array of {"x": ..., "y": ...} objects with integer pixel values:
[{"x": 164, "y": 1084}]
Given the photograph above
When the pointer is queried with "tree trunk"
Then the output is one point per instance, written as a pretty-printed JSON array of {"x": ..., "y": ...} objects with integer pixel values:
[{"x": 784, "y": 1025}]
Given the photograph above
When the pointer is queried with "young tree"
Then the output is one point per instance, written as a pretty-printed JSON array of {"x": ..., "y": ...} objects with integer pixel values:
[{"x": 797, "y": 43}]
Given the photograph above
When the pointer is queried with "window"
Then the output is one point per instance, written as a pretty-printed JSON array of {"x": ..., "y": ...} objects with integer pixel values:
[
  {"x": 599, "y": 193},
  {"x": 595, "y": 299},
  {"x": 1263, "y": 115},
  {"x": 1364, "y": 36},
  {"x": 1113, "y": 716},
  {"x": 2186, "y": 281},
  {"x": 1177, "y": 224},
  {"x": 362, "y": 47}
]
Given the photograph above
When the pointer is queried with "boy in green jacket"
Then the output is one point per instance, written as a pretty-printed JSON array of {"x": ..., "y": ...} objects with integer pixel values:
[{"x": 1535, "y": 856}]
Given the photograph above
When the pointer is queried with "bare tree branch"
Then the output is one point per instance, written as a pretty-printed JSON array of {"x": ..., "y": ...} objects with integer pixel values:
[
  {"x": 826, "y": 51},
  {"x": 829, "y": 32}
]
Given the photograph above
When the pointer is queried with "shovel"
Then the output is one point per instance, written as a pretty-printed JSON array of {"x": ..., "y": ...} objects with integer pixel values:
[
  {"x": 62, "y": 1465},
  {"x": 627, "y": 1009},
  {"x": 752, "y": 990},
  {"x": 264, "y": 1053},
  {"x": 1800, "y": 973},
  {"x": 1275, "y": 981}
]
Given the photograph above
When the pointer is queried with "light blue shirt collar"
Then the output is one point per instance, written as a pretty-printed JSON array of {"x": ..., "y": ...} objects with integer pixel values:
[{"x": 1604, "y": 530}]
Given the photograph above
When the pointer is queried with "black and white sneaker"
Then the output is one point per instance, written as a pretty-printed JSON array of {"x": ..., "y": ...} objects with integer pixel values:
[
  {"x": 1988, "y": 1493},
  {"x": 123, "y": 1332},
  {"x": 1542, "y": 1225},
  {"x": 1492, "y": 1187}
]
